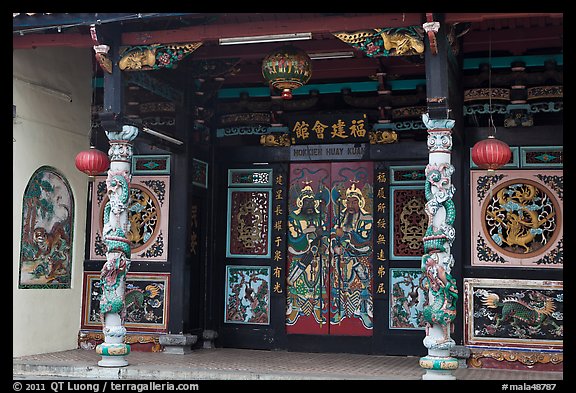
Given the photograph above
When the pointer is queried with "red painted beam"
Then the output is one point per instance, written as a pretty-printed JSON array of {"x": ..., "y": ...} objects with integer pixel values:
[
  {"x": 255, "y": 28},
  {"x": 515, "y": 41},
  {"x": 74, "y": 40},
  {"x": 212, "y": 32},
  {"x": 481, "y": 17}
]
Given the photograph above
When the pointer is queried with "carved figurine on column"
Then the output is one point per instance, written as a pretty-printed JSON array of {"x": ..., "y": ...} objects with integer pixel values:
[
  {"x": 437, "y": 261},
  {"x": 116, "y": 225}
]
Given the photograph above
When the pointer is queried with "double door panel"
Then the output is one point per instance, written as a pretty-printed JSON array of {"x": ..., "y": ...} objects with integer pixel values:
[{"x": 329, "y": 263}]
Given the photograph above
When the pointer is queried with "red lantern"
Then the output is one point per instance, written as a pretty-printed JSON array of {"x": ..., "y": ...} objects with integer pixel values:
[
  {"x": 92, "y": 161},
  {"x": 491, "y": 153}
]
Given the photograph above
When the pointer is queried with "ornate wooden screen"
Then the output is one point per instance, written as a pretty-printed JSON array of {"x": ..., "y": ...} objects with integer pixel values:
[{"x": 329, "y": 264}]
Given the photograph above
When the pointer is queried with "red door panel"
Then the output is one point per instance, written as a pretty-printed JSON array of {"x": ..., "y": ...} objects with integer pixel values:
[
  {"x": 330, "y": 249},
  {"x": 308, "y": 249},
  {"x": 351, "y": 249}
]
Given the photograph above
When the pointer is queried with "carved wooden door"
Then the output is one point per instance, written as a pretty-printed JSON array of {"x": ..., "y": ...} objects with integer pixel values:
[{"x": 329, "y": 264}]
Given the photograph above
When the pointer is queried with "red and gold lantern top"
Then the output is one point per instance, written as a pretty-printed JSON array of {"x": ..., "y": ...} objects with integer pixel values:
[
  {"x": 287, "y": 68},
  {"x": 491, "y": 153},
  {"x": 92, "y": 161}
]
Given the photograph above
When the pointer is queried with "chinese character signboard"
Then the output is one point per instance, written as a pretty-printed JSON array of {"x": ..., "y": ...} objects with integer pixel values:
[{"x": 328, "y": 128}]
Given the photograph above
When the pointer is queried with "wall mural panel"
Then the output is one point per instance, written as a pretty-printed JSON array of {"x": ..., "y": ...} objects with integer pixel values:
[
  {"x": 247, "y": 295},
  {"x": 148, "y": 217},
  {"x": 47, "y": 228},
  {"x": 516, "y": 313},
  {"x": 407, "y": 299},
  {"x": 147, "y": 297},
  {"x": 517, "y": 218}
]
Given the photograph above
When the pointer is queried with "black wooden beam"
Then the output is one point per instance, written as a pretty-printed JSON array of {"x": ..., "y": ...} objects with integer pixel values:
[{"x": 111, "y": 115}]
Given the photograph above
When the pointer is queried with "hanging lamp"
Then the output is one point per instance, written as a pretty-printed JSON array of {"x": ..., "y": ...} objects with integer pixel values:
[
  {"x": 491, "y": 153},
  {"x": 92, "y": 161},
  {"x": 287, "y": 68}
]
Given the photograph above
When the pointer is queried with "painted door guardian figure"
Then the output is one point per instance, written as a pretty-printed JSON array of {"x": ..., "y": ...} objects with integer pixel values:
[
  {"x": 350, "y": 240},
  {"x": 308, "y": 243}
]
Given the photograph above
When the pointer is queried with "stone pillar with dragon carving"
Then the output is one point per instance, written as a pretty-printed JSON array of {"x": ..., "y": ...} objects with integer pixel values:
[
  {"x": 116, "y": 225},
  {"x": 437, "y": 261}
]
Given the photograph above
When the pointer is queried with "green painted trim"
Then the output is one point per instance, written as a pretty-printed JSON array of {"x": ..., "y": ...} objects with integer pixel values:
[
  {"x": 439, "y": 364},
  {"x": 107, "y": 349},
  {"x": 506, "y": 61},
  {"x": 355, "y": 87}
]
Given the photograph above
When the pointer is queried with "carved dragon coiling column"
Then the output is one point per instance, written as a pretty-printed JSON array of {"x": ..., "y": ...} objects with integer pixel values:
[
  {"x": 437, "y": 260},
  {"x": 118, "y": 254}
]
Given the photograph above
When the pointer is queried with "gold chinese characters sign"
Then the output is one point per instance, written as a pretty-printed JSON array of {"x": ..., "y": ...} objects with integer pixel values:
[{"x": 320, "y": 128}]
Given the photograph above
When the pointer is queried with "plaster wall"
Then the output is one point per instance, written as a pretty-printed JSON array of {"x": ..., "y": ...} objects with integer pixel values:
[{"x": 49, "y": 130}]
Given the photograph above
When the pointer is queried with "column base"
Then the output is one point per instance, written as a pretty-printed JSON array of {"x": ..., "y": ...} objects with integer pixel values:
[
  {"x": 113, "y": 355},
  {"x": 113, "y": 361},
  {"x": 178, "y": 344},
  {"x": 438, "y": 367},
  {"x": 435, "y": 375},
  {"x": 208, "y": 337}
]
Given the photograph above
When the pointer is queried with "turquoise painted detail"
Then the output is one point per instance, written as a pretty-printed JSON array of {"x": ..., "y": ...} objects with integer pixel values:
[
  {"x": 107, "y": 349},
  {"x": 434, "y": 363},
  {"x": 506, "y": 61},
  {"x": 355, "y": 87}
]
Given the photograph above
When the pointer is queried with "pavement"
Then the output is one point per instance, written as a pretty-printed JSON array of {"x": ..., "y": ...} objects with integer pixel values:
[{"x": 247, "y": 364}]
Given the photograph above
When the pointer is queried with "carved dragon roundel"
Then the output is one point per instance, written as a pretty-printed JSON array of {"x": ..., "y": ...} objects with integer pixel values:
[{"x": 521, "y": 218}]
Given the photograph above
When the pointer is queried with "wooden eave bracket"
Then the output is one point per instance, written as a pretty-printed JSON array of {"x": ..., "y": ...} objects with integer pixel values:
[
  {"x": 101, "y": 51},
  {"x": 431, "y": 28}
]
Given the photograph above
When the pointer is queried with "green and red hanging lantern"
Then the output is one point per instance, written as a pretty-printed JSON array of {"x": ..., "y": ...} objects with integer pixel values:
[
  {"x": 491, "y": 153},
  {"x": 287, "y": 68},
  {"x": 92, "y": 161}
]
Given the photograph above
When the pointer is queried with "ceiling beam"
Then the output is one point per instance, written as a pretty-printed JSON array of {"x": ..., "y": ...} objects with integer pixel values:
[
  {"x": 484, "y": 16},
  {"x": 516, "y": 41},
  {"x": 213, "y": 32},
  {"x": 30, "y": 41}
]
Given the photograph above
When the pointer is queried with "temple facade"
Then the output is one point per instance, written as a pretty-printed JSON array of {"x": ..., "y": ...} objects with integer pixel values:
[{"x": 385, "y": 184}]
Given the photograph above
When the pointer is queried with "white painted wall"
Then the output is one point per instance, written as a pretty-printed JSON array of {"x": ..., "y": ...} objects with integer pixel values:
[{"x": 49, "y": 131}]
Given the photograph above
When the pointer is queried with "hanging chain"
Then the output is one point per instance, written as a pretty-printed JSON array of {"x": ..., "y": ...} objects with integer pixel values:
[{"x": 491, "y": 120}]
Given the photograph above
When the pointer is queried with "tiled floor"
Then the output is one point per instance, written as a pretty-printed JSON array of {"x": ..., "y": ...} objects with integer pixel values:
[{"x": 221, "y": 363}]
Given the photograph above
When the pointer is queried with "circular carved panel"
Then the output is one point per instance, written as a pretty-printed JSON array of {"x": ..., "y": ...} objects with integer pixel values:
[
  {"x": 143, "y": 215},
  {"x": 521, "y": 218}
]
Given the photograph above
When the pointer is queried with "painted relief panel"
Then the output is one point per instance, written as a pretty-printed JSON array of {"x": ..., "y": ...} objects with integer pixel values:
[
  {"x": 147, "y": 214},
  {"x": 407, "y": 174},
  {"x": 249, "y": 220},
  {"x": 517, "y": 218},
  {"x": 147, "y": 297},
  {"x": 542, "y": 156},
  {"x": 199, "y": 173},
  {"x": 408, "y": 221},
  {"x": 247, "y": 295},
  {"x": 308, "y": 258},
  {"x": 407, "y": 298},
  {"x": 521, "y": 313},
  {"x": 151, "y": 164},
  {"x": 47, "y": 226}
]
